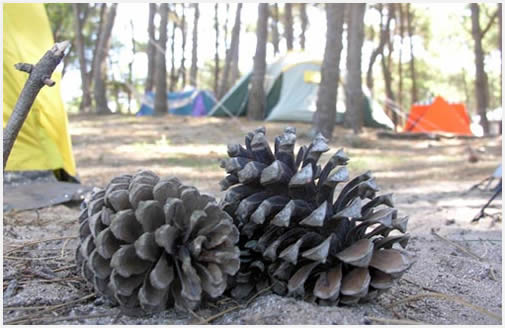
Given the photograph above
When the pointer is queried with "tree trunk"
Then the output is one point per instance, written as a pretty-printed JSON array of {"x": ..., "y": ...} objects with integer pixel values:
[
  {"x": 182, "y": 69},
  {"x": 400, "y": 67},
  {"x": 231, "y": 54},
  {"x": 257, "y": 99},
  {"x": 304, "y": 23},
  {"x": 100, "y": 71},
  {"x": 354, "y": 97},
  {"x": 410, "y": 31},
  {"x": 323, "y": 120},
  {"x": 115, "y": 88},
  {"x": 85, "y": 105},
  {"x": 234, "y": 67},
  {"x": 151, "y": 49},
  {"x": 386, "y": 63},
  {"x": 288, "y": 25},
  {"x": 130, "y": 70},
  {"x": 499, "y": 43},
  {"x": 380, "y": 48},
  {"x": 194, "y": 57},
  {"x": 465, "y": 88},
  {"x": 225, "y": 26},
  {"x": 275, "y": 28},
  {"x": 103, "y": 17},
  {"x": 481, "y": 83},
  {"x": 216, "y": 54},
  {"x": 160, "y": 101},
  {"x": 173, "y": 76}
]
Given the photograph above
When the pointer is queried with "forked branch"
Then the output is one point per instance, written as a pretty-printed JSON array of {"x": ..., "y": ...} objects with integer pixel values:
[{"x": 39, "y": 75}]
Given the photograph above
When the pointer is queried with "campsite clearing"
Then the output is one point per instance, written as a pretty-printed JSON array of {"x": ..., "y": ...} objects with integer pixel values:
[{"x": 456, "y": 279}]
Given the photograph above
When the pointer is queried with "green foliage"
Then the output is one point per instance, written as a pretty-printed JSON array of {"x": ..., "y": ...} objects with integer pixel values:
[
  {"x": 61, "y": 18},
  {"x": 206, "y": 74},
  {"x": 487, "y": 11},
  {"x": 439, "y": 44},
  {"x": 430, "y": 77}
]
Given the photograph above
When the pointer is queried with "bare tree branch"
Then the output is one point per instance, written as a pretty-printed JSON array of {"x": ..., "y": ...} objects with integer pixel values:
[
  {"x": 39, "y": 75},
  {"x": 489, "y": 24}
]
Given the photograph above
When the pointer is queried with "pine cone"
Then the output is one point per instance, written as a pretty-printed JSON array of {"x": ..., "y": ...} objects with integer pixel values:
[
  {"x": 155, "y": 242},
  {"x": 312, "y": 240}
]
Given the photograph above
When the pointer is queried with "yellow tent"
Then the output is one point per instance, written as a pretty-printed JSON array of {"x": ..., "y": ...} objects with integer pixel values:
[{"x": 43, "y": 142}]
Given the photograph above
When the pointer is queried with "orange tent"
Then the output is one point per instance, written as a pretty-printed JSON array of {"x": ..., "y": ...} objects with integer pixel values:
[{"x": 439, "y": 116}]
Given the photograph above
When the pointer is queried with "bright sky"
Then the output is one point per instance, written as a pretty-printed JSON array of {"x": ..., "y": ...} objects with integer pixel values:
[{"x": 452, "y": 57}]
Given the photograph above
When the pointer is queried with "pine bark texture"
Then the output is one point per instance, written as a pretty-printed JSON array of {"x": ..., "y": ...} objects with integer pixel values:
[
  {"x": 275, "y": 28},
  {"x": 130, "y": 69},
  {"x": 216, "y": 54},
  {"x": 288, "y": 25},
  {"x": 354, "y": 97},
  {"x": 160, "y": 101},
  {"x": 182, "y": 69},
  {"x": 304, "y": 23},
  {"x": 481, "y": 81},
  {"x": 499, "y": 42},
  {"x": 257, "y": 99},
  {"x": 235, "y": 72},
  {"x": 194, "y": 56},
  {"x": 85, "y": 105},
  {"x": 173, "y": 75},
  {"x": 103, "y": 17},
  {"x": 324, "y": 118},
  {"x": 410, "y": 31},
  {"x": 386, "y": 69},
  {"x": 151, "y": 49},
  {"x": 100, "y": 71},
  {"x": 231, "y": 54}
]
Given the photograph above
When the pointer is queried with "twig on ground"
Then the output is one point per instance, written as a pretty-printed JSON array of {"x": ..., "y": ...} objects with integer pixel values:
[
  {"x": 63, "y": 248},
  {"x": 456, "y": 299},
  {"x": 485, "y": 251},
  {"x": 416, "y": 284},
  {"x": 65, "y": 268},
  {"x": 491, "y": 273},
  {"x": 480, "y": 240},
  {"x": 29, "y": 318},
  {"x": 461, "y": 248},
  {"x": 226, "y": 299},
  {"x": 395, "y": 321},
  {"x": 213, "y": 317},
  {"x": 37, "y": 242},
  {"x": 60, "y": 280},
  {"x": 51, "y": 320},
  {"x": 32, "y": 258},
  {"x": 39, "y": 75},
  {"x": 233, "y": 308},
  {"x": 11, "y": 288},
  {"x": 117, "y": 317},
  {"x": 194, "y": 314}
]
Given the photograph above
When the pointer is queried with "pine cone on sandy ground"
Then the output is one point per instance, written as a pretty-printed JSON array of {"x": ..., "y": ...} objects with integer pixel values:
[
  {"x": 152, "y": 242},
  {"x": 310, "y": 239}
]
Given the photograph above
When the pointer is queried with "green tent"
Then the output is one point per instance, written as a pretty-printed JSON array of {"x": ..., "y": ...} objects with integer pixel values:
[{"x": 291, "y": 85}]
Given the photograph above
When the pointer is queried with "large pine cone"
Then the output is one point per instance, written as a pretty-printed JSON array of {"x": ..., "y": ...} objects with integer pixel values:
[
  {"x": 155, "y": 242},
  {"x": 309, "y": 238}
]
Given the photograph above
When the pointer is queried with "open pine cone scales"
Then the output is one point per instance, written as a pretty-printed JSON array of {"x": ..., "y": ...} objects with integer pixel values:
[
  {"x": 311, "y": 237},
  {"x": 154, "y": 242}
]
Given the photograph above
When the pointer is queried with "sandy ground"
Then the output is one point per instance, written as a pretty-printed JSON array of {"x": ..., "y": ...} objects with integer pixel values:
[{"x": 456, "y": 278}]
